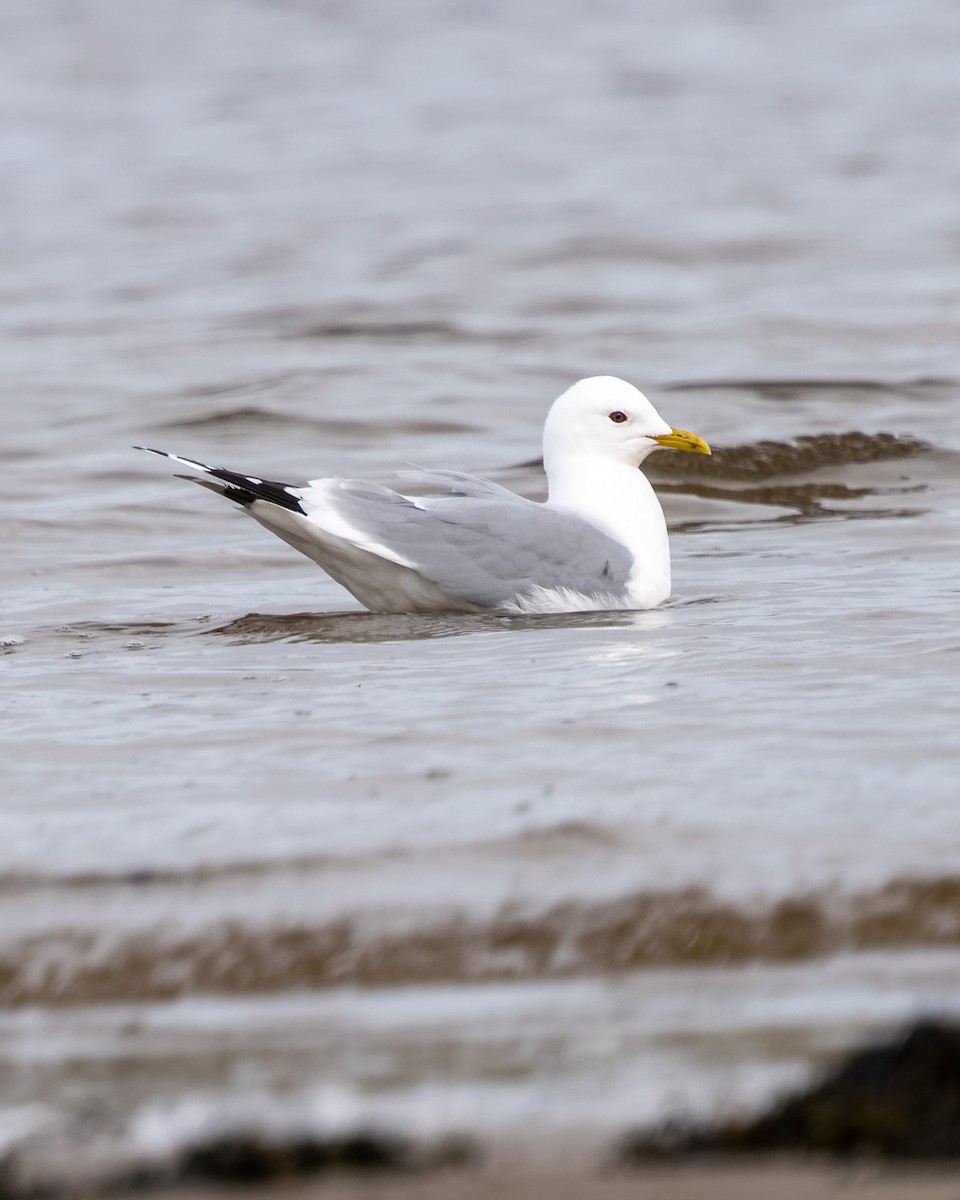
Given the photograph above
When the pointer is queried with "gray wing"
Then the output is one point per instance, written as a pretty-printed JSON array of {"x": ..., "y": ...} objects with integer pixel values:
[
  {"x": 478, "y": 541},
  {"x": 424, "y": 482}
]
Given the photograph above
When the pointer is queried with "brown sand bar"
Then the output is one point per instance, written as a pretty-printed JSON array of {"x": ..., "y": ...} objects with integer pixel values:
[{"x": 781, "y": 1180}]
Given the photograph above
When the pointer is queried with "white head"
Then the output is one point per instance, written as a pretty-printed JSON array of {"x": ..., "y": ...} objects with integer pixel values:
[{"x": 609, "y": 418}]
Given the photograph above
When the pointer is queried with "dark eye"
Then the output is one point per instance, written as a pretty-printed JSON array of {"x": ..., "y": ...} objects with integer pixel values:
[{"x": 618, "y": 417}]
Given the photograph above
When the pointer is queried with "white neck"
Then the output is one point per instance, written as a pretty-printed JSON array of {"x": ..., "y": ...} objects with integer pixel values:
[{"x": 617, "y": 498}]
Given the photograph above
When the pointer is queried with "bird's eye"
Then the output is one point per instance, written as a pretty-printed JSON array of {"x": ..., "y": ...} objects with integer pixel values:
[{"x": 618, "y": 417}]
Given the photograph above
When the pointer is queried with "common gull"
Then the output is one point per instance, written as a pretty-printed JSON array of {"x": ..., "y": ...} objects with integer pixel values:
[{"x": 446, "y": 541}]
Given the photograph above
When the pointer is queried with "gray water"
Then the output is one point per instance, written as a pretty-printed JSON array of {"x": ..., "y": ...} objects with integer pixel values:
[{"x": 269, "y": 861}]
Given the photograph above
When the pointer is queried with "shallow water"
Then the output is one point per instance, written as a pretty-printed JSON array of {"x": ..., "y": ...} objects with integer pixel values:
[{"x": 268, "y": 859}]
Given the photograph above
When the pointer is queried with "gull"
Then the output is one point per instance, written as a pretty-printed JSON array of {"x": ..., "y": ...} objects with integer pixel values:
[{"x": 446, "y": 541}]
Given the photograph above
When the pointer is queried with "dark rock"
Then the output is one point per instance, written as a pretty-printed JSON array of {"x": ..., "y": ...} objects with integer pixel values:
[
  {"x": 897, "y": 1099},
  {"x": 253, "y": 1158}
]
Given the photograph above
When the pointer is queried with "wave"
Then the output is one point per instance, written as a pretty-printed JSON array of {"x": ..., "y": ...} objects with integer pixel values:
[
  {"x": 791, "y": 389},
  {"x": 765, "y": 460},
  {"x": 639, "y": 931},
  {"x": 376, "y": 328},
  {"x": 250, "y": 418},
  {"x": 379, "y": 330}
]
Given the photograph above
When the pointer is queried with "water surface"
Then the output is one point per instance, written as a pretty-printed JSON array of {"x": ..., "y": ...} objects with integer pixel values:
[{"x": 271, "y": 861}]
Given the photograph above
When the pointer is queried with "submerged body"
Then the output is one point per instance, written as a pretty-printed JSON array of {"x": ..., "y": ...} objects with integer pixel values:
[{"x": 451, "y": 542}]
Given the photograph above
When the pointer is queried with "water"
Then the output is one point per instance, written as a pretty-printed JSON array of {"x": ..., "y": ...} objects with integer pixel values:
[{"x": 269, "y": 861}]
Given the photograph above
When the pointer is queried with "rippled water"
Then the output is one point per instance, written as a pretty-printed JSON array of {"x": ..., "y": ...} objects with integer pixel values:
[{"x": 270, "y": 859}]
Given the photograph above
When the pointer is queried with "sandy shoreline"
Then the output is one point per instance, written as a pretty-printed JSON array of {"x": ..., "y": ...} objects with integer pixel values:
[{"x": 783, "y": 1179}]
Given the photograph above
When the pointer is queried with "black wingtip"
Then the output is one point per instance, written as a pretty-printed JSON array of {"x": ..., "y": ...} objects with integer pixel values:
[{"x": 242, "y": 489}]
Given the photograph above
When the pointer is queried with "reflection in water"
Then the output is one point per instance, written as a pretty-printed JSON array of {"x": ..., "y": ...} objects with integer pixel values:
[
  {"x": 360, "y": 627},
  {"x": 808, "y": 502}
]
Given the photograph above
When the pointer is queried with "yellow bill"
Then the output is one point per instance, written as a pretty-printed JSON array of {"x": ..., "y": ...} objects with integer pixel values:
[{"x": 679, "y": 439}]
